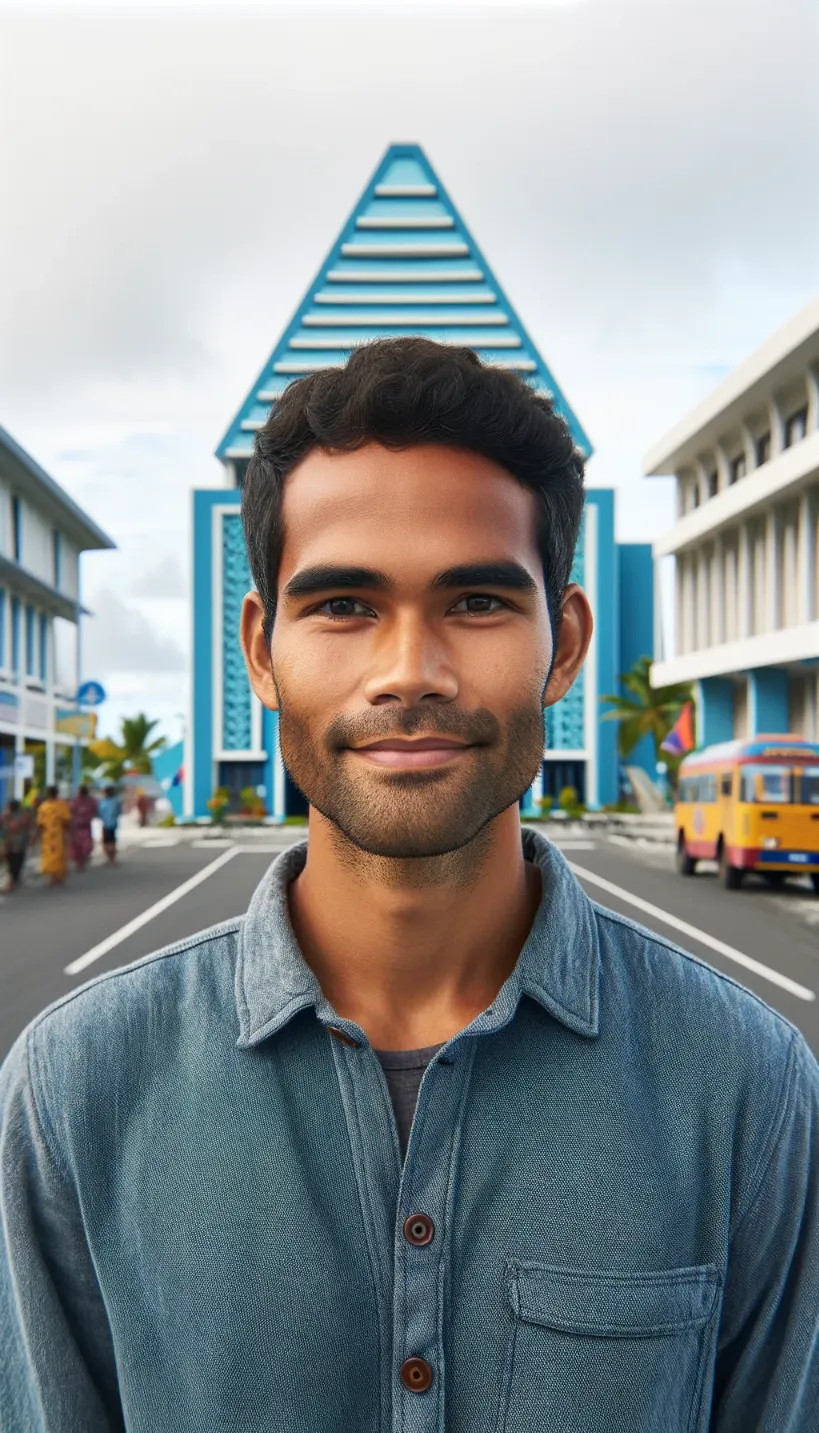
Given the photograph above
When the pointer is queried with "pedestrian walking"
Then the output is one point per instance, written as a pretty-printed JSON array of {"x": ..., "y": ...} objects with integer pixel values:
[
  {"x": 110, "y": 809},
  {"x": 53, "y": 819},
  {"x": 84, "y": 808},
  {"x": 16, "y": 831},
  {"x": 143, "y": 807}
]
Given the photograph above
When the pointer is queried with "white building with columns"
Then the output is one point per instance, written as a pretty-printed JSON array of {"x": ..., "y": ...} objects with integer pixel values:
[
  {"x": 745, "y": 546},
  {"x": 42, "y": 534}
]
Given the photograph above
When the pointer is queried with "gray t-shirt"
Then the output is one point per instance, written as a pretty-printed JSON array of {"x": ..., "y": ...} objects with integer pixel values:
[{"x": 404, "y": 1070}]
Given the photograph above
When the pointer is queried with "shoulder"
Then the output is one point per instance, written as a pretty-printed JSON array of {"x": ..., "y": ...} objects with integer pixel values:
[
  {"x": 697, "y": 1009},
  {"x": 106, "y": 1030}
]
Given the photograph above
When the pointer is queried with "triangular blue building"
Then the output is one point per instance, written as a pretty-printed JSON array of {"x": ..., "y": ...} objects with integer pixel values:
[{"x": 404, "y": 263}]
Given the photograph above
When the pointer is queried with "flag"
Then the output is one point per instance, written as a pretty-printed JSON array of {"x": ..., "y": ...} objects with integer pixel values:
[
  {"x": 179, "y": 777},
  {"x": 680, "y": 739}
]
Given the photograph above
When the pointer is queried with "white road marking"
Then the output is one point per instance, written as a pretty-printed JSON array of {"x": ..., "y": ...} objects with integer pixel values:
[
  {"x": 215, "y": 843},
  {"x": 139, "y": 921},
  {"x": 573, "y": 845},
  {"x": 701, "y": 936},
  {"x": 153, "y": 843}
]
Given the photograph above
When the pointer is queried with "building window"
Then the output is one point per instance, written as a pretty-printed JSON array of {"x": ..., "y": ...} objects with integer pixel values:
[
  {"x": 695, "y": 495},
  {"x": 2, "y": 628},
  {"x": 43, "y": 648},
  {"x": 796, "y": 427},
  {"x": 763, "y": 449},
  {"x": 29, "y": 641},
  {"x": 57, "y": 552},
  {"x": 737, "y": 469},
  {"x": 16, "y": 528},
  {"x": 15, "y": 635},
  {"x": 711, "y": 484}
]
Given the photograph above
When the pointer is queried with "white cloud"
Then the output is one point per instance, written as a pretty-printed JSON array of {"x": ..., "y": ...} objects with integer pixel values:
[{"x": 121, "y": 639}]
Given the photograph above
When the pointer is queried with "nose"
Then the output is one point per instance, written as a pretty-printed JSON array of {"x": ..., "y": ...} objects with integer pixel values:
[{"x": 411, "y": 662}]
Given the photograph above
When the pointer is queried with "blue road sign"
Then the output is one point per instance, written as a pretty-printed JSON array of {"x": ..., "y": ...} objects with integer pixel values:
[{"x": 91, "y": 694}]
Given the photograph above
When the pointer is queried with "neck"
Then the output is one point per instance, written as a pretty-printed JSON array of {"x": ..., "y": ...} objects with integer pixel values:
[{"x": 414, "y": 950}]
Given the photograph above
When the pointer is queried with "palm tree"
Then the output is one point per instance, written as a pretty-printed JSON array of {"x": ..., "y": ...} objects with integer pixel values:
[
  {"x": 133, "y": 752},
  {"x": 646, "y": 711}
]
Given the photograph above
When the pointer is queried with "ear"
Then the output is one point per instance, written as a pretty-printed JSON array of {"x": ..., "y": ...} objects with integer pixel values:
[
  {"x": 256, "y": 651},
  {"x": 573, "y": 638}
]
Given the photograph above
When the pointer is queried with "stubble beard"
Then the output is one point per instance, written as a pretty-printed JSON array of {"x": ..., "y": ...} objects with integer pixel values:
[{"x": 414, "y": 814}]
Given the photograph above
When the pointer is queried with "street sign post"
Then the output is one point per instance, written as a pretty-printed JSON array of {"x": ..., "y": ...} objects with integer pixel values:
[{"x": 91, "y": 694}]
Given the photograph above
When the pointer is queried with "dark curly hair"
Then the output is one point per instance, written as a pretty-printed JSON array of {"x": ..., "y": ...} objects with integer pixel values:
[{"x": 401, "y": 392}]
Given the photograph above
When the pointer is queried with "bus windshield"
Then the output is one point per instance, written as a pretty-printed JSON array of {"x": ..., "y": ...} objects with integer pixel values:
[
  {"x": 809, "y": 795},
  {"x": 771, "y": 784}
]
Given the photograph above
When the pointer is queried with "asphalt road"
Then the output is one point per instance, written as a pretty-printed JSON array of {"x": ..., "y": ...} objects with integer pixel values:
[{"x": 45, "y": 930}]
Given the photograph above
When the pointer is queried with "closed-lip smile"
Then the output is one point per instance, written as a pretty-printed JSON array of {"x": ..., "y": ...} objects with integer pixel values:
[{"x": 403, "y": 752}]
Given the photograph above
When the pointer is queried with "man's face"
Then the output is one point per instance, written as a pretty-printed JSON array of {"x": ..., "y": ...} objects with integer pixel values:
[{"x": 354, "y": 662}]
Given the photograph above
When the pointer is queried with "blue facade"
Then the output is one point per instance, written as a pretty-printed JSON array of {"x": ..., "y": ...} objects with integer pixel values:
[
  {"x": 404, "y": 263},
  {"x": 715, "y": 711},
  {"x": 636, "y": 576},
  {"x": 768, "y": 700}
]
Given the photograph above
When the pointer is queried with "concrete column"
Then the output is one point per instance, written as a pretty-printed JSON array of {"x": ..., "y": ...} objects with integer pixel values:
[
  {"x": 768, "y": 701},
  {"x": 19, "y": 748},
  {"x": 51, "y": 761},
  {"x": 777, "y": 428},
  {"x": 718, "y": 593},
  {"x": 806, "y": 556},
  {"x": 659, "y": 644},
  {"x": 773, "y": 612},
  {"x": 723, "y": 468},
  {"x": 749, "y": 447},
  {"x": 744, "y": 582},
  {"x": 812, "y": 379}
]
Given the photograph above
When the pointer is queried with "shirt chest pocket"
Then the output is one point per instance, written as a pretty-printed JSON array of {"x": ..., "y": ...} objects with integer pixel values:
[{"x": 598, "y": 1351}]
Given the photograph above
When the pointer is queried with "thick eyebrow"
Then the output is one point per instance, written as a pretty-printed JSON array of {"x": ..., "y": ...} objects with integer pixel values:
[{"x": 329, "y": 576}]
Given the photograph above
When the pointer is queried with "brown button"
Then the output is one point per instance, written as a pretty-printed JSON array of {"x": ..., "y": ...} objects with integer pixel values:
[
  {"x": 416, "y": 1375},
  {"x": 343, "y": 1036},
  {"x": 418, "y": 1229}
]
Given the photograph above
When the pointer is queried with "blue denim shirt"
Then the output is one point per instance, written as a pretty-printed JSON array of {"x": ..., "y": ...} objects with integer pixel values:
[{"x": 204, "y": 1206}]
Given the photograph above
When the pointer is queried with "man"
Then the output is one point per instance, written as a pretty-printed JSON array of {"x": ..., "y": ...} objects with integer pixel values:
[
  {"x": 426, "y": 1140},
  {"x": 16, "y": 831},
  {"x": 109, "y": 810}
]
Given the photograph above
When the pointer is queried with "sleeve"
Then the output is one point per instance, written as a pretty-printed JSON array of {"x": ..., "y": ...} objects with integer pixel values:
[
  {"x": 57, "y": 1364},
  {"x": 767, "y": 1373}
]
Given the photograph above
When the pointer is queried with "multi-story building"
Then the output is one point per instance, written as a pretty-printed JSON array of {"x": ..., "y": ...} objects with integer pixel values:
[
  {"x": 42, "y": 533},
  {"x": 745, "y": 545},
  {"x": 404, "y": 263}
]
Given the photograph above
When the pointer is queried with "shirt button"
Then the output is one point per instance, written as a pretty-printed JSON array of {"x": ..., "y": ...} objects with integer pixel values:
[
  {"x": 418, "y": 1229},
  {"x": 343, "y": 1036},
  {"x": 416, "y": 1375}
]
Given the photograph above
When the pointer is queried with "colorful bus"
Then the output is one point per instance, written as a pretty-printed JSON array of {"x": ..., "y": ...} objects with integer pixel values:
[{"x": 752, "y": 806}]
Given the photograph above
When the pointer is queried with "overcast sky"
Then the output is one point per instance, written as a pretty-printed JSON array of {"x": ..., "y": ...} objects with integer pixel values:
[{"x": 641, "y": 175}]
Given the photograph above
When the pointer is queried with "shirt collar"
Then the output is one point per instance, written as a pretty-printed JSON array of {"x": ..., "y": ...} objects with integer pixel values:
[{"x": 559, "y": 965}]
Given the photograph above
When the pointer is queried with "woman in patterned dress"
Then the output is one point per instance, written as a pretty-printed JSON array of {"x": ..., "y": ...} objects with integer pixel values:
[
  {"x": 53, "y": 817},
  {"x": 83, "y": 810}
]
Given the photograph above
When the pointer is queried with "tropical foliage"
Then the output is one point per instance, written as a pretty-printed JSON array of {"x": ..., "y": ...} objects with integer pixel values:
[
  {"x": 133, "y": 752},
  {"x": 645, "y": 710}
]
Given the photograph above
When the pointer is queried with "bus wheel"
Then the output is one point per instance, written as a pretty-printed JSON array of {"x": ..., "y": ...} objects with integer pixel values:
[
  {"x": 731, "y": 876},
  {"x": 686, "y": 865}
]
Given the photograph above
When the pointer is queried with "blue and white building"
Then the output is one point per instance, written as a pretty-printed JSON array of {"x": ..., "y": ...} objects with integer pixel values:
[
  {"x": 739, "y": 568},
  {"x": 404, "y": 263},
  {"x": 42, "y": 534}
]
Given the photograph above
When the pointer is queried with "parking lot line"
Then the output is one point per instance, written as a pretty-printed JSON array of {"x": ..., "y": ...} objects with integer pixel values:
[
  {"x": 702, "y": 937},
  {"x": 139, "y": 921}
]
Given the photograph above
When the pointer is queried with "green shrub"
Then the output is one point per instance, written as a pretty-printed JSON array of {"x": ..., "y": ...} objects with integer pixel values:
[{"x": 569, "y": 803}]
